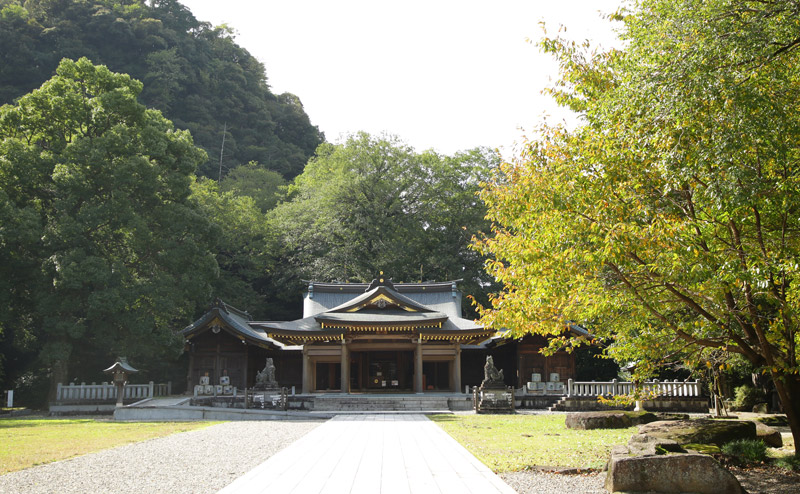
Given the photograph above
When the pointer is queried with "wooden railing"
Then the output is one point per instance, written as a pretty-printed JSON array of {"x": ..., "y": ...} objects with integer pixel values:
[
  {"x": 108, "y": 392},
  {"x": 615, "y": 388}
]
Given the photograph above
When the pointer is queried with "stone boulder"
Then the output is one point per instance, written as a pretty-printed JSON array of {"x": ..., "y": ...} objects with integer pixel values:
[
  {"x": 642, "y": 444},
  {"x": 671, "y": 416},
  {"x": 613, "y": 419},
  {"x": 703, "y": 431},
  {"x": 771, "y": 437},
  {"x": 671, "y": 473},
  {"x": 774, "y": 420}
]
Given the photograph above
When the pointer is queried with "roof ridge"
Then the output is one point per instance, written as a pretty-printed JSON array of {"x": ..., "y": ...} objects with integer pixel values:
[{"x": 221, "y": 304}]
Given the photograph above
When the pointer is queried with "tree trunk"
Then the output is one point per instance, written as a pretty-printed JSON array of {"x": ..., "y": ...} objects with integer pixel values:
[
  {"x": 60, "y": 374},
  {"x": 789, "y": 392}
]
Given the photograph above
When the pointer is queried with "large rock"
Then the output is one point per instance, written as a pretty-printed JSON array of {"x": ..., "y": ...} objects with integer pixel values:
[
  {"x": 642, "y": 444},
  {"x": 703, "y": 431},
  {"x": 614, "y": 419},
  {"x": 771, "y": 437},
  {"x": 671, "y": 473},
  {"x": 774, "y": 420}
]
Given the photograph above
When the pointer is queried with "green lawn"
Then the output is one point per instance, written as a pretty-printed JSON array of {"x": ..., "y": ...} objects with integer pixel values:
[
  {"x": 26, "y": 442},
  {"x": 513, "y": 442}
]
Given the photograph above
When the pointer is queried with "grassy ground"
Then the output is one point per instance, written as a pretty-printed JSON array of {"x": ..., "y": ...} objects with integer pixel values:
[
  {"x": 27, "y": 442},
  {"x": 507, "y": 443}
]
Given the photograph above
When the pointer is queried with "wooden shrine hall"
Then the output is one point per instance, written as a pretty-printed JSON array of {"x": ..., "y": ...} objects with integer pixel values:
[{"x": 359, "y": 338}]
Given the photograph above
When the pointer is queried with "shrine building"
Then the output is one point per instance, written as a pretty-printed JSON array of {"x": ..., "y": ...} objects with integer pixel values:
[{"x": 361, "y": 338}]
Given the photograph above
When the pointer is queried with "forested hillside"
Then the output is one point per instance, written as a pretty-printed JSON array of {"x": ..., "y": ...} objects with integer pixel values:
[
  {"x": 116, "y": 230},
  {"x": 194, "y": 73}
]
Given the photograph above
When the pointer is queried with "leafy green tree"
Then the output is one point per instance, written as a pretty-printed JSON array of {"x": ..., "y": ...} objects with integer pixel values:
[
  {"x": 373, "y": 204},
  {"x": 262, "y": 185},
  {"x": 667, "y": 221},
  {"x": 106, "y": 251},
  {"x": 243, "y": 246}
]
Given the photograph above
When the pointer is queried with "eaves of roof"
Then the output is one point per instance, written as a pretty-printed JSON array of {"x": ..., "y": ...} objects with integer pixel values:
[
  {"x": 380, "y": 317},
  {"x": 398, "y": 287},
  {"x": 234, "y": 323}
]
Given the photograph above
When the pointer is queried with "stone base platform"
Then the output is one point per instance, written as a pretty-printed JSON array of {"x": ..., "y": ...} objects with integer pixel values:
[
  {"x": 406, "y": 402},
  {"x": 301, "y": 407}
]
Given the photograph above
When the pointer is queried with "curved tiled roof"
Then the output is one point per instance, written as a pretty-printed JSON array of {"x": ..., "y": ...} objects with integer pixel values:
[
  {"x": 380, "y": 308},
  {"x": 234, "y": 321}
]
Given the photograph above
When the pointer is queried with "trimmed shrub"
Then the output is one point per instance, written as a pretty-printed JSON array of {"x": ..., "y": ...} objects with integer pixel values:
[
  {"x": 791, "y": 462},
  {"x": 746, "y": 450}
]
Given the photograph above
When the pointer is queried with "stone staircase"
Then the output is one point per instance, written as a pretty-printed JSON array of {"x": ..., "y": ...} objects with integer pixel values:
[
  {"x": 391, "y": 403},
  {"x": 559, "y": 406}
]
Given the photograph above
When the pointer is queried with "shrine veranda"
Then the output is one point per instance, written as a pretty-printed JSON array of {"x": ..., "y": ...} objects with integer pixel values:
[{"x": 359, "y": 338}]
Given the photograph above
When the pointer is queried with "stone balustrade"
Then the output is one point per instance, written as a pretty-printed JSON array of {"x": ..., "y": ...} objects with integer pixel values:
[
  {"x": 108, "y": 392},
  {"x": 614, "y": 388}
]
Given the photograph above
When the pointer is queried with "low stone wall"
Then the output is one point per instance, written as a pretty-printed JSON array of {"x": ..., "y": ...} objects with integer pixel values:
[
  {"x": 698, "y": 404},
  {"x": 179, "y": 413},
  {"x": 536, "y": 402},
  {"x": 307, "y": 403},
  {"x": 586, "y": 404},
  {"x": 460, "y": 404},
  {"x": 301, "y": 402},
  {"x": 84, "y": 408},
  {"x": 218, "y": 401}
]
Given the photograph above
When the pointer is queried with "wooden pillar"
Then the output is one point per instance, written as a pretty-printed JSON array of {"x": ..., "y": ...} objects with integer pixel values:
[
  {"x": 457, "y": 369},
  {"x": 246, "y": 363},
  {"x": 345, "y": 372},
  {"x": 306, "y": 371},
  {"x": 572, "y": 372},
  {"x": 418, "y": 367},
  {"x": 190, "y": 376},
  {"x": 217, "y": 365}
]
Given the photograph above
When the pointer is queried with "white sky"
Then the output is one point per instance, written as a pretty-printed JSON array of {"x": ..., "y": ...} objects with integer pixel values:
[{"x": 441, "y": 74}]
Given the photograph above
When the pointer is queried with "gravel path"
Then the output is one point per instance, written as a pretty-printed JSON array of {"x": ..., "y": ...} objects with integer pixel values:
[
  {"x": 534, "y": 482},
  {"x": 199, "y": 461},
  {"x": 755, "y": 481}
]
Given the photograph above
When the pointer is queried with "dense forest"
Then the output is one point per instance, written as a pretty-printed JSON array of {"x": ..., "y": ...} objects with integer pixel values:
[
  {"x": 117, "y": 228},
  {"x": 193, "y": 72}
]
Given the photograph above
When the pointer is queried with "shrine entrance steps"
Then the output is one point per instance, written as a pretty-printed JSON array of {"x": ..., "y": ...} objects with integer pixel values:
[{"x": 410, "y": 402}]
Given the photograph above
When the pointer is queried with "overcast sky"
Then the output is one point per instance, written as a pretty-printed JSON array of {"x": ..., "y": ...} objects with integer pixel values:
[{"x": 447, "y": 75}]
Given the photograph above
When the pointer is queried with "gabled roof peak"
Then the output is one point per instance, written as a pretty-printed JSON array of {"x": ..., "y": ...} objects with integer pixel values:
[
  {"x": 380, "y": 281},
  {"x": 381, "y": 295},
  {"x": 218, "y": 303},
  {"x": 415, "y": 287}
]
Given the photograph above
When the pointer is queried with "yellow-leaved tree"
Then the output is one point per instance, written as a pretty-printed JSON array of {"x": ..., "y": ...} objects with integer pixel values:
[{"x": 669, "y": 220}]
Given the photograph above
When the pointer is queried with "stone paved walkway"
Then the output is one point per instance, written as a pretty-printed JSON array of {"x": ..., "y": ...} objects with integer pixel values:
[{"x": 379, "y": 453}]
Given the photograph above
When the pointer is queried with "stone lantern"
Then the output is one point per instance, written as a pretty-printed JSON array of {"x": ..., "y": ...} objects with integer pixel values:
[{"x": 120, "y": 372}]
